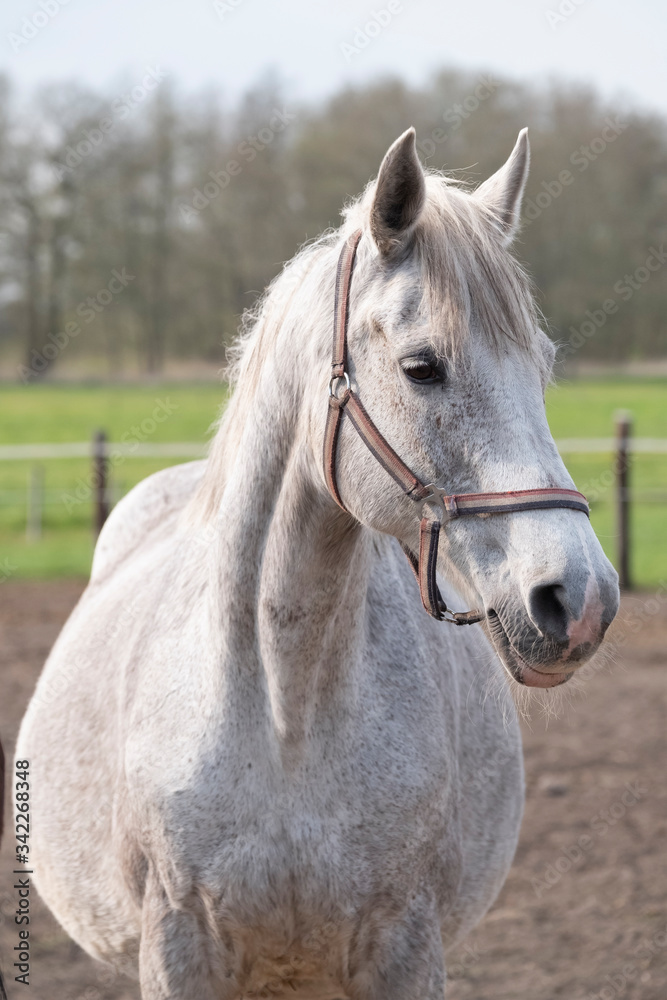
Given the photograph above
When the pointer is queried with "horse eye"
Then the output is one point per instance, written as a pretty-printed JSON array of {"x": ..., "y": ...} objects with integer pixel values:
[{"x": 421, "y": 371}]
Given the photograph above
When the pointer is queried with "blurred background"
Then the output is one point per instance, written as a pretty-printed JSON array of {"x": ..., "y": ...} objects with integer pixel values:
[{"x": 159, "y": 164}]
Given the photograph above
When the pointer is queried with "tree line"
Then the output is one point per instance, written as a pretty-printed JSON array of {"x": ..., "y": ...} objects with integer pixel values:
[{"x": 136, "y": 227}]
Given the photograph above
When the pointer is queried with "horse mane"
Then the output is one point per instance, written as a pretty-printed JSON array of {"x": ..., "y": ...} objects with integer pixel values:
[
  {"x": 275, "y": 314},
  {"x": 469, "y": 280}
]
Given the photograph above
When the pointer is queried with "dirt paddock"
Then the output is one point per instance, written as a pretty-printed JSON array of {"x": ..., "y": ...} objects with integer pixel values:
[{"x": 584, "y": 911}]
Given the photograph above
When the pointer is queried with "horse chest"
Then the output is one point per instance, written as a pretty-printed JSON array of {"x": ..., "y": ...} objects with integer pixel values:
[{"x": 273, "y": 840}]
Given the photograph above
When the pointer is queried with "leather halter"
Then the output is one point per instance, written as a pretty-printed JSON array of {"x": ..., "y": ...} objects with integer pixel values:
[{"x": 425, "y": 495}]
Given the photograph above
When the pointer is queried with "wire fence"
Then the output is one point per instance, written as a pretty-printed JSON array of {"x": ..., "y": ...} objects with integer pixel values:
[{"x": 104, "y": 456}]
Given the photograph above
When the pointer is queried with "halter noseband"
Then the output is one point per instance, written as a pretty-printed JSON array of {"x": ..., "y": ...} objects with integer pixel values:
[{"x": 425, "y": 495}]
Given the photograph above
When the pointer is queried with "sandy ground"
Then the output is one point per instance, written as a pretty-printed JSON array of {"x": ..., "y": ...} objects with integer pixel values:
[{"x": 583, "y": 913}]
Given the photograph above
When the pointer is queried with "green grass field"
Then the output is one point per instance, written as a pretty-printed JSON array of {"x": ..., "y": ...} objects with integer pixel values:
[{"x": 45, "y": 414}]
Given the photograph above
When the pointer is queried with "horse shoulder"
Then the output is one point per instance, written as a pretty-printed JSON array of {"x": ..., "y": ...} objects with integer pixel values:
[{"x": 142, "y": 514}]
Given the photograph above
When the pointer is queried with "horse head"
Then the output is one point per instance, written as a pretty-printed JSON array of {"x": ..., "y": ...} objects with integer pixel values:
[{"x": 446, "y": 351}]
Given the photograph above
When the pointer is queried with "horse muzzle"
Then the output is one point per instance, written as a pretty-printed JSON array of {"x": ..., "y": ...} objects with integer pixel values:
[{"x": 543, "y": 658}]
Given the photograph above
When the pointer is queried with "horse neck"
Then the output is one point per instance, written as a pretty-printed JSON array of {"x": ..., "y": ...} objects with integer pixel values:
[{"x": 291, "y": 569}]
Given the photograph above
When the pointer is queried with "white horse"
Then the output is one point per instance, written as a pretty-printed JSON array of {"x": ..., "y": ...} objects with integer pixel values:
[{"x": 258, "y": 766}]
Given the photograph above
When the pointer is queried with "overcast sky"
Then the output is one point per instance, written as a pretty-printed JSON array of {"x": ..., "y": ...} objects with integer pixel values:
[{"x": 315, "y": 46}]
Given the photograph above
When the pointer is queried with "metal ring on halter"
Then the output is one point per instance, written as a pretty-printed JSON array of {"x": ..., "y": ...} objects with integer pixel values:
[
  {"x": 463, "y": 617},
  {"x": 336, "y": 378},
  {"x": 437, "y": 497}
]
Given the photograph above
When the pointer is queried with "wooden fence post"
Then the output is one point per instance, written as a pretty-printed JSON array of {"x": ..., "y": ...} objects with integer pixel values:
[
  {"x": 100, "y": 470},
  {"x": 2, "y": 813},
  {"x": 33, "y": 527},
  {"x": 623, "y": 432}
]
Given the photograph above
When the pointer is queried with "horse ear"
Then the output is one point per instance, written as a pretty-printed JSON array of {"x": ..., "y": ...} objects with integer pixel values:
[
  {"x": 399, "y": 194},
  {"x": 504, "y": 190}
]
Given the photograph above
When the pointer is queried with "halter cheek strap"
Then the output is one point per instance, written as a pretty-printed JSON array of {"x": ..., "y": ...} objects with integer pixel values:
[{"x": 435, "y": 507}]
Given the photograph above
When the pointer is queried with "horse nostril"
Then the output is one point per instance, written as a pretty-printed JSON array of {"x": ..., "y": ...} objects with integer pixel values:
[{"x": 547, "y": 610}]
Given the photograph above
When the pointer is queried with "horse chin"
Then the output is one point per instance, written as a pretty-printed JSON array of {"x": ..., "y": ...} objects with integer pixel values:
[
  {"x": 520, "y": 671},
  {"x": 540, "y": 678}
]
